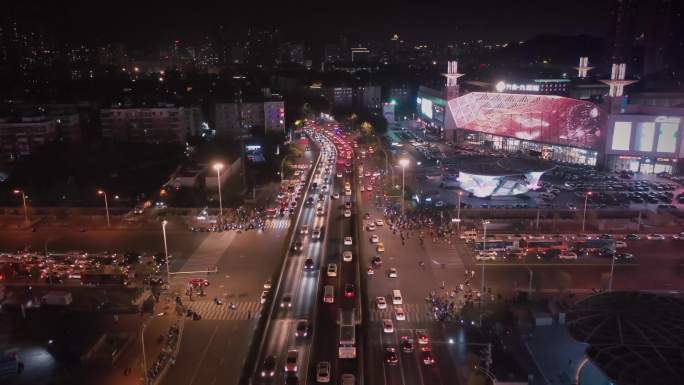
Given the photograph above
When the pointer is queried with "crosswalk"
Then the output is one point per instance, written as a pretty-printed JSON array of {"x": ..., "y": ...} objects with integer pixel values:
[
  {"x": 278, "y": 224},
  {"x": 212, "y": 312},
  {"x": 421, "y": 312}
]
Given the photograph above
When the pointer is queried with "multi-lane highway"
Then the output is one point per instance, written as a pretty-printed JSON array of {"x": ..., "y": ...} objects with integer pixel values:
[{"x": 299, "y": 316}]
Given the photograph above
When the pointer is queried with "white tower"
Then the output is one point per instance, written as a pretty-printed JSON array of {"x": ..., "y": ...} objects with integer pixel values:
[
  {"x": 452, "y": 76},
  {"x": 617, "y": 80},
  {"x": 583, "y": 67}
]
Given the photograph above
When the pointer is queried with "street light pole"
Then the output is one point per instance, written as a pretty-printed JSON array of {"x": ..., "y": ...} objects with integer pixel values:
[
  {"x": 584, "y": 216},
  {"x": 612, "y": 268},
  {"x": 23, "y": 200},
  {"x": 482, "y": 284},
  {"x": 104, "y": 193},
  {"x": 166, "y": 253},
  {"x": 218, "y": 167},
  {"x": 403, "y": 163},
  {"x": 458, "y": 214},
  {"x": 144, "y": 357}
]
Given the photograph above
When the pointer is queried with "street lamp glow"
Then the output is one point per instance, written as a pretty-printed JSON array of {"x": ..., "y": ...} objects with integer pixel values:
[
  {"x": 218, "y": 166},
  {"x": 403, "y": 162},
  {"x": 23, "y": 200},
  {"x": 104, "y": 194}
]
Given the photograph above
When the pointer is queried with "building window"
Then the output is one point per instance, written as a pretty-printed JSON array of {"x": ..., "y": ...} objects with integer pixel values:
[
  {"x": 622, "y": 133},
  {"x": 667, "y": 137},
  {"x": 645, "y": 133}
]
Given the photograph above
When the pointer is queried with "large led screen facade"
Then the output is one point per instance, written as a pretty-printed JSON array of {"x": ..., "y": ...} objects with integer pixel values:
[{"x": 542, "y": 118}]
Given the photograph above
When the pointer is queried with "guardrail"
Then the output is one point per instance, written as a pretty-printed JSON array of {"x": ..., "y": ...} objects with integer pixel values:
[{"x": 254, "y": 352}]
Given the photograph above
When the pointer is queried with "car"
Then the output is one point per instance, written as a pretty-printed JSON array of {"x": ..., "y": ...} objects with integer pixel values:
[
  {"x": 655, "y": 237},
  {"x": 406, "y": 344},
  {"x": 197, "y": 282},
  {"x": 381, "y": 303},
  {"x": 349, "y": 290},
  {"x": 362, "y": 188},
  {"x": 374, "y": 238},
  {"x": 369, "y": 188},
  {"x": 298, "y": 246},
  {"x": 347, "y": 379},
  {"x": 347, "y": 213},
  {"x": 567, "y": 255},
  {"x": 366, "y": 216},
  {"x": 571, "y": 206},
  {"x": 347, "y": 256},
  {"x": 336, "y": 196},
  {"x": 620, "y": 244},
  {"x": 347, "y": 241},
  {"x": 268, "y": 284},
  {"x": 679, "y": 236},
  {"x": 370, "y": 227},
  {"x": 387, "y": 326},
  {"x": 264, "y": 296},
  {"x": 392, "y": 273},
  {"x": 323, "y": 372},
  {"x": 316, "y": 234},
  {"x": 624, "y": 257},
  {"x": 399, "y": 314},
  {"x": 309, "y": 265},
  {"x": 302, "y": 329},
  {"x": 606, "y": 236},
  {"x": 291, "y": 361},
  {"x": 376, "y": 261},
  {"x": 320, "y": 211},
  {"x": 426, "y": 356},
  {"x": 332, "y": 270},
  {"x": 631, "y": 237},
  {"x": 286, "y": 301},
  {"x": 348, "y": 205},
  {"x": 391, "y": 357},
  {"x": 439, "y": 204},
  {"x": 486, "y": 256},
  {"x": 422, "y": 337},
  {"x": 379, "y": 222},
  {"x": 268, "y": 367},
  {"x": 380, "y": 248}
]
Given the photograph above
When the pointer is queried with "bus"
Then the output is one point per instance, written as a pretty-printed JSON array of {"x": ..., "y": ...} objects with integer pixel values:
[
  {"x": 591, "y": 245},
  {"x": 496, "y": 244},
  {"x": 347, "y": 337},
  {"x": 542, "y": 245}
]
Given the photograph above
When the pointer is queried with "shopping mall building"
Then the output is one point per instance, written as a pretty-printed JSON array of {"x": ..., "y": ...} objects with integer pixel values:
[{"x": 569, "y": 122}]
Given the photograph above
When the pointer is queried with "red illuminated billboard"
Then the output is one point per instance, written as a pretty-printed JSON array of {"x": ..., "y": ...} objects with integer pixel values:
[{"x": 540, "y": 118}]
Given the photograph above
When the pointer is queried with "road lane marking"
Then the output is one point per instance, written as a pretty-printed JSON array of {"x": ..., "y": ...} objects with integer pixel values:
[{"x": 204, "y": 354}]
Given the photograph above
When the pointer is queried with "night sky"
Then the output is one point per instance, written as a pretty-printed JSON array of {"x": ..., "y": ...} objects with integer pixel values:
[{"x": 146, "y": 21}]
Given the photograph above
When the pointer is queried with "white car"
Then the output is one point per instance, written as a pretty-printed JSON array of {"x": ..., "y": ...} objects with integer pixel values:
[
  {"x": 347, "y": 256},
  {"x": 268, "y": 284},
  {"x": 347, "y": 241},
  {"x": 567, "y": 256},
  {"x": 362, "y": 188},
  {"x": 374, "y": 238},
  {"x": 323, "y": 372},
  {"x": 264, "y": 295},
  {"x": 336, "y": 196},
  {"x": 392, "y": 273},
  {"x": 399, "y": 314},
  {"x": 332, "y": 270},
  {"x": 347, "y": 213},
  {"x": 381, "y": 303},
  {"x": 320, "y": 211},
  {"x": 620, "y": 244},
  {"x": 370, "y": 227},
  {"x": 379, "y": 222},
  {"x": 486, "y": 256},
  {"x": 387, "y": 325},
  {"x": 656, "y": 237},
  {"x": 369, "y": 188},
  {"x": 316, "y": 233},
  {"x": 304, "y": 229}
]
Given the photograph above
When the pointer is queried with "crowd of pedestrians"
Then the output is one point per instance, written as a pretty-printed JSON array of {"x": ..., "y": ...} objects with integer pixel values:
[
  {"x": 422, "y": 223},
  {"x": 239, "y": 219}
]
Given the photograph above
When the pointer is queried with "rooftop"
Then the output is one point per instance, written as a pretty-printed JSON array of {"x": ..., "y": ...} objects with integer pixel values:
[{"x": 635, "y": 338}]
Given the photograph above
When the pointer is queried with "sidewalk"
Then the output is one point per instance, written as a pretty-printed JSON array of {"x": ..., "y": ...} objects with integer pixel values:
[{"x": 128, "y": 369}]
